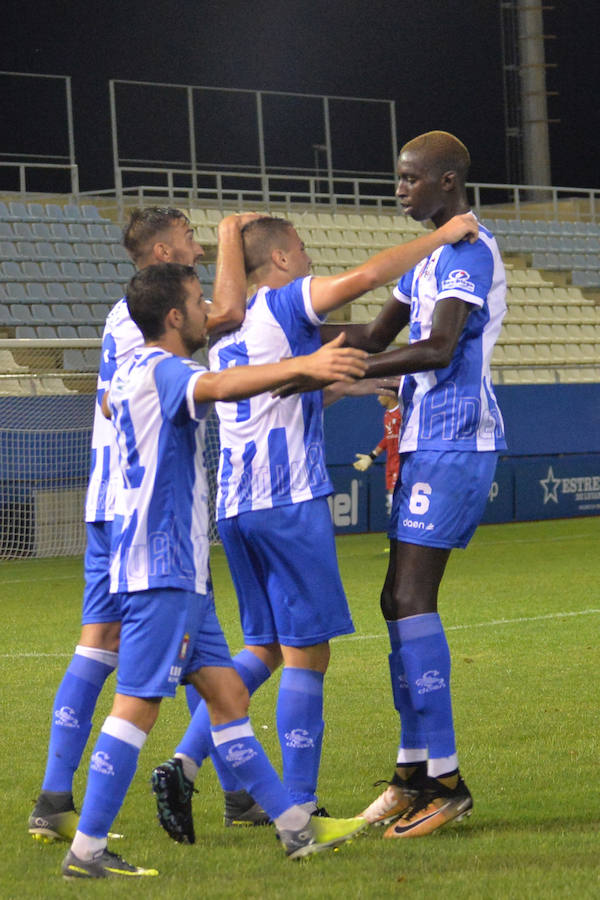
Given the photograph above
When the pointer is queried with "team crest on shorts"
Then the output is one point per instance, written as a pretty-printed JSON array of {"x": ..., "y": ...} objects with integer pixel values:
[{"x": 184, "y": 646}]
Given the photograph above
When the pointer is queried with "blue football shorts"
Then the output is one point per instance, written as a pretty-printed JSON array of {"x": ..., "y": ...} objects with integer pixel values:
[
  {"x": 284, "y": 567},
  {"x": 98, "y": 604},
  {"x": 440, "y": 496},
  {"x": 167, "y": 633}
]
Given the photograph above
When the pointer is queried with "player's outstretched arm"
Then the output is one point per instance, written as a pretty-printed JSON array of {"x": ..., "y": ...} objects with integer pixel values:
[
  {"x": 332, "y": 362},
  {"x": 228, "y": 307},
  {"x": 328, "y": 293}
]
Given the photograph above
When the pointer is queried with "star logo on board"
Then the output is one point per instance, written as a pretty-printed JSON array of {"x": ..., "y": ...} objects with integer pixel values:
[{"x": 550, "y": 485}]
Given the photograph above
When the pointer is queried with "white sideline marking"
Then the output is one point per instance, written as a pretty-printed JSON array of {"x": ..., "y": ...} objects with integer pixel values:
[
  {"x": 492, "y": 623},
  {"x": 370, "y": 637},
  {"x": 45, "y": 578}
]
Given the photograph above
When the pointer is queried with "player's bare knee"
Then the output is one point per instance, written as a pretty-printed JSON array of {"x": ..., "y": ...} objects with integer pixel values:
[{"x": 101, "y": 635}]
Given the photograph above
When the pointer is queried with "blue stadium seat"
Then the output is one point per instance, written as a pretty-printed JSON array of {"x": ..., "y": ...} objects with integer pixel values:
[
  {"x": 70, "y": 270},
  {"x": 8, "y": 250},
  {"x": 31, "y": 270},
  {"x": 47, "y": 331},
  {"x": 41, "y": 312},
  {"x": 87, "y": 331},
  {"x": 67, "y": 331},
  {"x": 82, "y": 313},
  {"x": 91, "y": 213},
  {"x": 100, "y": 311},
  {"x": 64, "y": 250},
  {"x": 15, "y": 291},
  {"x": 108, "y": 271},
  {"x": 118, "y": 252},
  {"x": 78, "y": 232},
  {"x": 25, "y": 331},
  {"x": 21, "y": 313},
  {"x": 83, "y": 251},
  {"x": 36, "y": 211},
  {"x": 88, "y": 271},
  {"x": 44, "y": 250},
  {"x": 41, "y": 231},
  {"x": 50, "y": 270},
  {"x": 18, "y": 210},
  {"x": 125, "y": 271},
  {"x": 100, "y": 251},
  {"x": 23, "y": 231},
  {"x": 95, "y": 291},
  {"x": 59, "y": 231},
  {"x": 95, "y": 231},
  {"x": 36, "y": 292},
  {"x": 6, "y": 232},
  {"x": 74, "y": 360},
  {"x": 56, "y": 290},
  {"x": 62, "y": 313},
  {"x": 10, "y": 270},
  {"x": 26, "y": 250},
  {"x": 56, "y": 212},
  {"x": 75, "y": 290},
  {"x": 72, "y": 212},
  {"x": 113, "y": 232},
  {"x": 114, "y": 290}
]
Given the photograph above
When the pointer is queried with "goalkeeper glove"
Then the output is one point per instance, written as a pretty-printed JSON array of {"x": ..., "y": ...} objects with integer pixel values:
[{"x": 363, "y": 461}]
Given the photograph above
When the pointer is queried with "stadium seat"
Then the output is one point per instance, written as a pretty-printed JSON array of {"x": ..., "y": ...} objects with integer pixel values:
[
  {"x": 27, "y": 250},
  {"x": 23, "y": 231},
  {"x": 85, "y": 251},
  {"x": 107, "y": 271},
  {"x": 36, "y": 292},
  {"x": 72, "y": 212},
  {"x": 46, "y": 331},
  {"x": 15, "y": 291},
  {"x": 32, "y": 270},
  {"x": 10, "y": 270},
  {"x": 87, "y": 331},
  {"x": 70, "y": 271},
  {"x": 78, "y": 232},
  {"x": 59, "y": 231},
  {"x": 67, "y": 331},
  {"x": 25, "y": 331},
  {"x": 18, "y": 210},
  {"x": 91, "y": 213},
  {"x": 75, "y": 290},
  {"x": 56, "y": 291},
  {"x": 54, "y": 211},
  {"x": 41, "y": 231},
  {"x": 125, "y": 271},
  {"x": 62, "y": 313},
  {"x": 41, "y": 312},
  {"x": 8, "y": 250}
]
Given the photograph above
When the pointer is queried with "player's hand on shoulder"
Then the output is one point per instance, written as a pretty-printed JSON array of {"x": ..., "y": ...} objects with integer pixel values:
[{"x": 462, "y": 227}]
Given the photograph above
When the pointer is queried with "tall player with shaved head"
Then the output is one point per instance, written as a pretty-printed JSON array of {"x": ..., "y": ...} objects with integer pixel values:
[{"x": 453, "y": 302}]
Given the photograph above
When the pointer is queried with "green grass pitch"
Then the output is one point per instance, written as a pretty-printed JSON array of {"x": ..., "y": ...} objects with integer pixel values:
[{"x": 522, "y": 611}]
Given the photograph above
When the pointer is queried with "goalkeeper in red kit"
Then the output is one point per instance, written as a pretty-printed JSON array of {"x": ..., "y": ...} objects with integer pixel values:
[{"x": 388, "y": 444}]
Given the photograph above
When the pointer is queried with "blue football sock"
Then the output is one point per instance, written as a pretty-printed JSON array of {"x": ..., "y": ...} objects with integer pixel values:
[
  {"x": 73, "y": 708},
  {"x": 192, "y": 697},
  {"x": 300, "y": 728},
  {"x": 197, "y": 741},
  {"x": 242, "y": 754},
  {"x": 426, "y": 658},
  {"x": 112, "y": 768},
  {"x": 413, "y": 742}
]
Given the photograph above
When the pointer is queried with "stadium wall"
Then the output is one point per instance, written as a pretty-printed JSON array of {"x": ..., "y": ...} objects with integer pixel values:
[{"x": 551, "y": 469}]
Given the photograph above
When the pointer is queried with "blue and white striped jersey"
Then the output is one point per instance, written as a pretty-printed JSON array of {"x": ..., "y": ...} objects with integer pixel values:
[
  {"x": 120, "y": 339},
  {"x": 160, "y": 536},
  {"x": 272, "y": 450},
  {"x": 455, "y": 408}
]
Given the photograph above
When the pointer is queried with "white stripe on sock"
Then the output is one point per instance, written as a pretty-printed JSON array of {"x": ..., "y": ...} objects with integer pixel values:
[
  {"x": 103, "y": 656},
  {"x": 232, "y": 733},
  {"x": 124, "y": 731}
]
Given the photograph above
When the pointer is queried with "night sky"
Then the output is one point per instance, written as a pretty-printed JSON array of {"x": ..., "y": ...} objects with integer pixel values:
[{"x": 440, "y": 61}]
